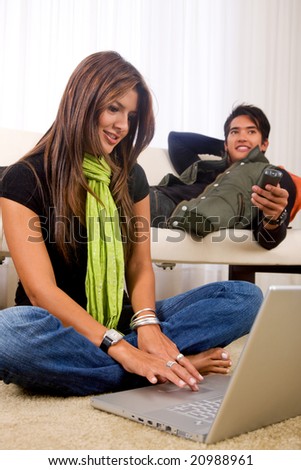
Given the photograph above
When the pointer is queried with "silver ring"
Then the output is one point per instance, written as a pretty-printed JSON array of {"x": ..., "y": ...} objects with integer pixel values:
[
  {"x": 170, "y": 363},
  {"x": 179, "y": 357}
]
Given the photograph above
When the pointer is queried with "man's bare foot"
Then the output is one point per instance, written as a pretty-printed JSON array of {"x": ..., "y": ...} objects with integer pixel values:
[{"x": 215, "y": 360}]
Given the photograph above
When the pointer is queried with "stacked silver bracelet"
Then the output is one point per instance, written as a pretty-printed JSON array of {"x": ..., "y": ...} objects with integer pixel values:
[{"x": 147, "y": 319}]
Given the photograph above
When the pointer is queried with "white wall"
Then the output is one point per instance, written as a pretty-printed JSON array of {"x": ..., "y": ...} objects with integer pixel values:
[{"x": 199, "y": 57}]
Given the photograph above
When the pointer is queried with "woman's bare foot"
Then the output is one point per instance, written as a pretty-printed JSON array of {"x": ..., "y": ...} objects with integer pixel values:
[{"x": 215, "y": 360}]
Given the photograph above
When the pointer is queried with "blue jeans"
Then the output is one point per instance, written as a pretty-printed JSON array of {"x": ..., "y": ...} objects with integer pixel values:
[
  {"x": 161, "y": 207},
  {"x": 39, "y": 354}
]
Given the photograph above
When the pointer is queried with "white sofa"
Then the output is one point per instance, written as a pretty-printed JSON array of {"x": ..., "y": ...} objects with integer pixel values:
[{"x": 235, "y": 248}]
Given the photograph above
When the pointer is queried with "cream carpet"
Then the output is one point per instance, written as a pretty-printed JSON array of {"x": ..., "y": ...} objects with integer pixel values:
[{"x": 38, "y": 422}]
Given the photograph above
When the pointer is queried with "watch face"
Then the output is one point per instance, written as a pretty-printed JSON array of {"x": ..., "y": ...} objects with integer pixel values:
[
  {"x": 283, "y": 216},
  {"x": 110, "y": 338},
  {"x": 114, "y": 336}
]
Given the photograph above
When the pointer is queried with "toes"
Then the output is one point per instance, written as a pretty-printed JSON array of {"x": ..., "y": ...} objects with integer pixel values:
[
  {"x": 216, "y": 370},
  {"x": 217, "y": 353},
  {"x": 215, "y": 360},
  {"x": 224, "y": 364}
]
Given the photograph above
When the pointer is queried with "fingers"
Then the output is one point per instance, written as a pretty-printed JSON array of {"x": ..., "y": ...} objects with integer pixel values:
[
  {"x": 272, "y": 193},
  {"x": 184, "y": 362},
  {"x": 181, "y": 376},
  {"x": 152, "y": 378},
  {"x": 272, "y": 200},
  {"x": 184, "y": 368},
  {"x": 182, "y": 372},
  {"x": 175, "y": 373}
]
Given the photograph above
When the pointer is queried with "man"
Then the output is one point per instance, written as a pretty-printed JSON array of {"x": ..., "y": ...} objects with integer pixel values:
[{"x": 223, "y": 193}]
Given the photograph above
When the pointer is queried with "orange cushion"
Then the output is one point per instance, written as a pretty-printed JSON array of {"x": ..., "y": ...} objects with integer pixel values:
[{"x": 297, "y": 206}]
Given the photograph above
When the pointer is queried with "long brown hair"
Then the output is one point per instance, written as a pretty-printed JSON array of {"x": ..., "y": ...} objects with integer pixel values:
[{"x": 97, "y": 81}]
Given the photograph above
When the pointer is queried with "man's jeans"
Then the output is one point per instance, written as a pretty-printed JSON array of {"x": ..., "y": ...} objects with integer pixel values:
[
  {"x": 38, "y": 353},
  {"x": 161, "y": 207}
]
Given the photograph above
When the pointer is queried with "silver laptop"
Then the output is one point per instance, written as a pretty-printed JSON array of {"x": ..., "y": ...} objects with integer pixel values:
[{"x": 265, "y": 387}]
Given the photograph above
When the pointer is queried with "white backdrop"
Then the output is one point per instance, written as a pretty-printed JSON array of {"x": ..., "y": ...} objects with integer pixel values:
[{"x": 199, "y": 57}]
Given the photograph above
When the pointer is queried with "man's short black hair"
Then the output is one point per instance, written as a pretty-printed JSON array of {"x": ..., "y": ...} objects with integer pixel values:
[{"x": 256, "y": 115}]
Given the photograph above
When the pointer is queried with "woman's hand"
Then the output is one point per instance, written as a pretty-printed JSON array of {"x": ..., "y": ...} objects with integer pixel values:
[
  {"x": 154, "y": 367},
  {"x": 152, "y": 340}
]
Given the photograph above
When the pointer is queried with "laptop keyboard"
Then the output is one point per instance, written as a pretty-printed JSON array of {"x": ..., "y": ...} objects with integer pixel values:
[{"x": 204, "y": 411}]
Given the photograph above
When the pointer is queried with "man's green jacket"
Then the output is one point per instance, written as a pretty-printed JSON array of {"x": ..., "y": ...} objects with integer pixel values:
[{"x": 225, "y": 203}]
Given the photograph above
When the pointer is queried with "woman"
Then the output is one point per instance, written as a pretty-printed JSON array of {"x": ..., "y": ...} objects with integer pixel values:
[{"x": 76, "y": 218}]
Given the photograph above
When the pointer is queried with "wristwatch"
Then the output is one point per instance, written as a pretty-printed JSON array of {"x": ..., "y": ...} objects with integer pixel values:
[
  {"x": 282, "y": 218},
  {"x": 110, "y": 338}
]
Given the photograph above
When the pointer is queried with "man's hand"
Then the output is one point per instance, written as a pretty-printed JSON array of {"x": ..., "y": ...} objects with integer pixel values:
[{"x": 271, "y": 201}]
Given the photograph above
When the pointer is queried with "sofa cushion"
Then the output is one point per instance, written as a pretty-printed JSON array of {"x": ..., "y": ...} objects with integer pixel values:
[{"x": 184, "y": 148}]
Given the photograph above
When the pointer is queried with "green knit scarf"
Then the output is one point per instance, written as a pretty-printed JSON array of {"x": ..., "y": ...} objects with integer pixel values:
[{"x": 105, "y": 267}]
